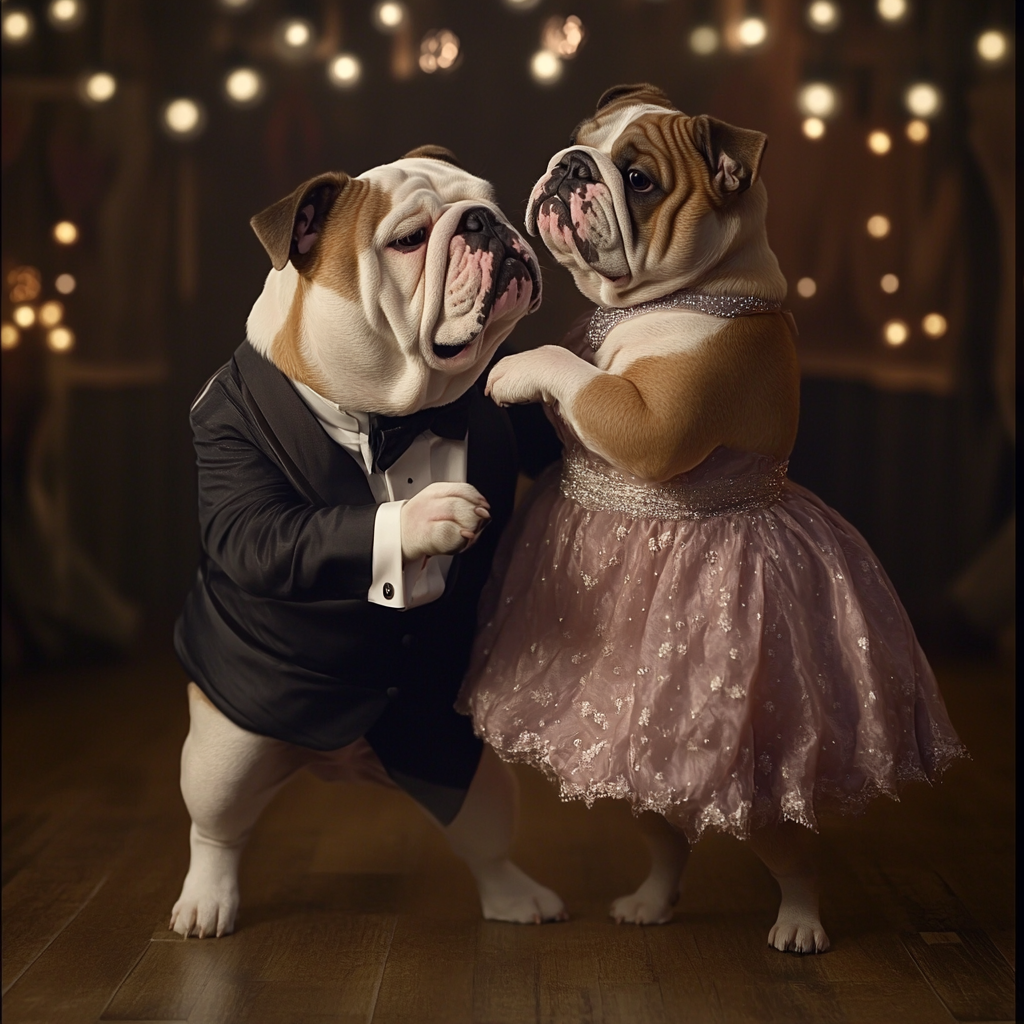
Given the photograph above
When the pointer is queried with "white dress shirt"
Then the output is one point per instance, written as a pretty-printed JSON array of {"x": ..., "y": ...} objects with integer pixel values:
[{"x": 429, "y": 459}]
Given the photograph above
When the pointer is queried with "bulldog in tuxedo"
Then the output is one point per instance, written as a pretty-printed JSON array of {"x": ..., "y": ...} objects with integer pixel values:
[{"x": 347, "y": 464}]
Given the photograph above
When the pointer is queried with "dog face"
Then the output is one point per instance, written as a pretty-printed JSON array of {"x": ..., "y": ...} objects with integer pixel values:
[
  {"x": 391, "y": 291},
  {"x": 646, "y": 201}
]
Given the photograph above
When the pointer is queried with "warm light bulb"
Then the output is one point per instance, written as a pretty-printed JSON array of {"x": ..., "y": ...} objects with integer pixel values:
[
  {"x": 65, "y": 15},
  {"x": 896, "y": 332},
  {"x": 813, "y": 127},
  {"x": 752, "y": 31},
  {"x": 244, "y": 86},
  {"x": 879, "y": 142},
  {"x": 65, "y": 233},
  {"x": 922, "y": 99},
  {"x": 823, "y": 15},
  {"x": 60, "y": 339},
  {"x": 389, "y": 16},
  {"x": 65, "y": 284},
  {"x": 992, "y": 46},
  {"x": 704, "y": 40},
  {"x": 51, "y": 313},
  {"x": 296, "y": 33},
  {"x": 183, "y": 117},
  {"x": 878, "y": 226},
  {"x": 806, "y": 287},
  {"x": 934, "y": 325},
  {"x": 817, "y": 99},
  {"x": 917, "y": 131},
  {"x": 24, "y": 316},
  {"x": 890, "y": 284},
  {"x": 17, "y": 27},
  {"x": 9, "y": 336},
  {"x": 98, "y": 87},
  {"x": 892, "y": 10},
  {"x": 545, "y": 67},
  {"x": 344, "y": 71}
]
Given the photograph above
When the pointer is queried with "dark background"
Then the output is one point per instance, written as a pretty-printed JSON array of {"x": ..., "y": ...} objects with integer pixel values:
[{"x": 914, "y": 446}]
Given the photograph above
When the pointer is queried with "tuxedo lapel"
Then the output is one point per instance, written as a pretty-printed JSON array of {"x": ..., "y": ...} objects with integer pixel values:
[{"x": 322, "y": 471}]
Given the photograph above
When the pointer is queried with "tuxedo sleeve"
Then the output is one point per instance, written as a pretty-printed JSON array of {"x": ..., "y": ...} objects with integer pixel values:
[{"x": 265, "y": 536}]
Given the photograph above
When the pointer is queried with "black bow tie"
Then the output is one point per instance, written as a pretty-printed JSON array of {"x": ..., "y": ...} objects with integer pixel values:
[{"x": 390, "y": 436}]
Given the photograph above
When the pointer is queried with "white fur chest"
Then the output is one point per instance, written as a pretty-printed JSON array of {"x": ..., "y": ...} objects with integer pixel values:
[{"x": 661, "y": 333}]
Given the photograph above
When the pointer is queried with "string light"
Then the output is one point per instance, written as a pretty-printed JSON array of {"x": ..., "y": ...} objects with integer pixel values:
[
  {"x": 24, "y": 316},
  {"x": 890, "y": 284},
  {"x": 752, "y": 32},
  {"x": 98, "y": 87},
  {"x": 390, "y": 16},
  {"x": 65, "y": 284},
  {"x": 922, "y": 99},
  {"x": 60, "y": 339},
  {"x": 934, "y": 325},
  {"x": 704, "y": 40},
  {"x": 184, "y": 118},
  {"x": 992, "y": 46},
  {"x": 879, "y": 142},
  {"x": 293, "y": 39},
  {"x": 562, "y": 36},
  {"x": 917, "y": 131},
  {"x": 545, "y": 67},
  {"x": 817, "y": 99},
  {"x": 896, "y": 332},
  {"x": 878, "y": 226},
  {"x": 806, "y": 287},
  {"x": 823, "y": 16},
  {"x": 344, "y": 71},
  {"x": 17, "y": 27},
  {"x": 9, "y": 336},
  {"x": 892, "y": 10},
  {"x": 65, "y": 233},
  {"x": 439, "y": 51},
  {"x": 51, "y": 313},
  {"x": 813, "y": 127},
  {"x": 65, "y": 15},
  {"x": 244, "y": 87}
]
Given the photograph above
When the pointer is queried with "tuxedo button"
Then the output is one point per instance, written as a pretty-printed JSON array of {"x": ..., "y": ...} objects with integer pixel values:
[
  {"x": 389, "y": 591},
  {"x": 408, "y": 640},
  {"x": 392, "y": 692}
]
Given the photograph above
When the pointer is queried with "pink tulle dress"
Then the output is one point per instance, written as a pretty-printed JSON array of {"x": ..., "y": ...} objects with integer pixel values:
[{"x": 722, "y": 648}]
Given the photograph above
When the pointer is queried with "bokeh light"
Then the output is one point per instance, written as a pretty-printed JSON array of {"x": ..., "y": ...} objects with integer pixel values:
[
  {"x": 562, "y": 36},
  {"x": 823, "y": 15},
  {"x": 918, "y": 131},
  {"x": 17, "y": 26},
  {"x": 895, "y": 332},
  {"x": 183, "y": 118},
  {"x": 24, "y": 316},
  {"x": 752, "y": 32},
  {"x": 545, "y": 67},
  {"x": 806, "y": 287},
  {"x": 244, "y": 86},
  {"x": 817, "y": 99},
  {"x": 813, "y": 127},
  {"x": 923, "y": 99},
  {"x": 51, "y": 313},
  {"x": 892, "y": 10},
  {"x": 65, "y": 283},
  {"x": 390, "y": 16},
  {"x": 25, "y": 282},
  {"x": 878, "y": 226},
  {"x": 704, "y": 39},
  {"x": 65, "y": 232},
  {"x": 65, "y": 15},
  {"x": 439, "y": 51},
  {"x": 890, "y": 284},
  {"x": 60, "y": 339},
  {"x": 98, "y": 87},
  {"x": 879, "y": 142},
  {"x": 934, "y": 325},
  {"x": 344, "y": 71},
  {"x": 9, "y": 336},
  {"x": 992, "y": 46}
]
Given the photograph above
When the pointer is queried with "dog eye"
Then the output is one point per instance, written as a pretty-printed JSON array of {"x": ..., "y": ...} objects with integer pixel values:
[
  {"x": 410, "y": 242},
  {"x": 638, "y": 181}
]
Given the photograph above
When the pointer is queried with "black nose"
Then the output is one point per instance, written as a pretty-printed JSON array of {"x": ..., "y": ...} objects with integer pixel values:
[
  {"x": 477, "y": 220},
  {"x": 578, "y": 166}
]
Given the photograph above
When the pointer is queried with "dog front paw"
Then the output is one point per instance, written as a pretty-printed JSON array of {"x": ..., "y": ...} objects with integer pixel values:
[
  {"x": 798, "y": 933},
  {"x": 650, "y": 904},
  {"x": 507, "y": 893},
  {"x": 208, "y": 903}
]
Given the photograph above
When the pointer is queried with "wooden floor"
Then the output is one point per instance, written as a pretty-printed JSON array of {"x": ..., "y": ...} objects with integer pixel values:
[{"x": 354, "y": 911}]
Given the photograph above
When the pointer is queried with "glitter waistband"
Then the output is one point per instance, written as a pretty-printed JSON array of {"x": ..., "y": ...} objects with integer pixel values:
[
  {"x": 603, "y": 489},
  {"x": 607, "y": 317}
]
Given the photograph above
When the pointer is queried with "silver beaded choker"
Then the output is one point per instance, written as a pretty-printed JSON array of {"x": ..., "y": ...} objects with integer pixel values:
[{"x": 607, "y": 317}]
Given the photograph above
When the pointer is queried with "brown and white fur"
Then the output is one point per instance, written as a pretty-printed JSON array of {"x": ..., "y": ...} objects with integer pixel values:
[
  {"x": 384, "y": 297},
  {"x": 644, "y": 202}
]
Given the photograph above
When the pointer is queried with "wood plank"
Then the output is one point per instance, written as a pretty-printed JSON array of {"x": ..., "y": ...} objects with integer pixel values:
[{"x": 505, "y": 976}]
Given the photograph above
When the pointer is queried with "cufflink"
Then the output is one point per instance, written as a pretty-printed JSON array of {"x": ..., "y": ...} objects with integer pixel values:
[{"x": 389, "y": 591}]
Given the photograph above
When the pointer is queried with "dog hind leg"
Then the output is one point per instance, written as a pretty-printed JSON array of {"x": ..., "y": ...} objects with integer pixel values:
[
  {"x": 788, "y": 851},
  {"x": 652, "y": 903},
  {"x": 228, "y": 776},
  {"x": 481, "y": 835}
]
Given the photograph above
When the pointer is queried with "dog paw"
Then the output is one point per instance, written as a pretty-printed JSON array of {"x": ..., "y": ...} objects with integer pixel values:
[
  {"x": 798, "y": 933},
  {"x": 650, "y": 904},
  {"x": 507, "y": 893},
  {"x": 208, "y": 902}
]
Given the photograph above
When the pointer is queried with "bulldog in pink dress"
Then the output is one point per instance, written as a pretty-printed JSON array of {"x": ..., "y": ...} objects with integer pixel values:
[{"x": 671, "y": 620}]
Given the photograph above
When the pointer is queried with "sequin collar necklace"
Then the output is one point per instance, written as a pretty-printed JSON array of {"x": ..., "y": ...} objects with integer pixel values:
[{"x": 607, "y": 317}]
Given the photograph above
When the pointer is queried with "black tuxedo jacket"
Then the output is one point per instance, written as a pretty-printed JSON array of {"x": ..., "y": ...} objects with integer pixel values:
[{"x": 277, "y": 630}]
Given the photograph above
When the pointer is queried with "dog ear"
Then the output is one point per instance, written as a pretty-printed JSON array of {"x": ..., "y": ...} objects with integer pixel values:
[
  {"x": 435, "y": 153},
  {"x": 642, "y": 92},
  {"x": 290, "y": 228},
  {"x": 733, "y": 154}
]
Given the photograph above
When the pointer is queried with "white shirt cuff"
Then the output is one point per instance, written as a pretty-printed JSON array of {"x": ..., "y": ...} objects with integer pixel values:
[{"x": 387, "y": 586}]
